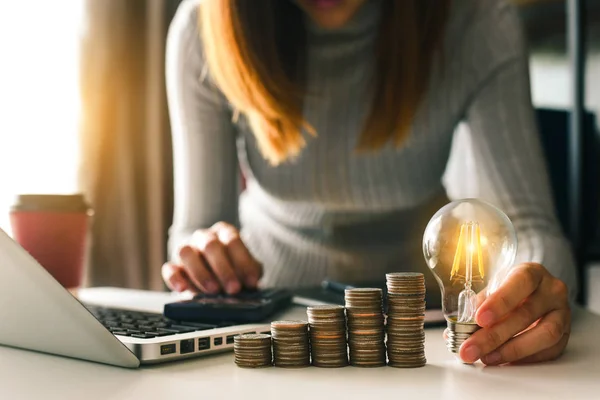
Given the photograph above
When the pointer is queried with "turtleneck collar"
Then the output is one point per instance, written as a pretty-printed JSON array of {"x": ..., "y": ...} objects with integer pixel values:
[{"x": 366, "y": 20}]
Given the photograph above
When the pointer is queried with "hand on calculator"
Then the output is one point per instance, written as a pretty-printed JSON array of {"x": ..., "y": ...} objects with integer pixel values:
[{"x": 215, "y": 260}]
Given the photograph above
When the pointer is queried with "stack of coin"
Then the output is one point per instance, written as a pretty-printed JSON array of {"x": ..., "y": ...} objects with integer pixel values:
[
  {"x": 328, "y": 343},
  {"x": 252, "y": 350},
  {"x": 405, "y": 319},
  {"x": 366, "y": 331},
  {"x": 290, "y": 344}
]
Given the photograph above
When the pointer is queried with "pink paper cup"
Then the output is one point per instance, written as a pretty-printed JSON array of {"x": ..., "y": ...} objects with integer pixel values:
[{"x": 54, "y": 230}]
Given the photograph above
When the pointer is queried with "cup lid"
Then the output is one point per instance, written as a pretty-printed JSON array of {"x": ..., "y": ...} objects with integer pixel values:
[{"x": 51, "y": 202}]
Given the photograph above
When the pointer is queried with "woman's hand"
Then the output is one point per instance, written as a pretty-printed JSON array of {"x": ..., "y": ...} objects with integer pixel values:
[
  {"x": 215, "y": 260},
  {"x": 528, "y": 319}
]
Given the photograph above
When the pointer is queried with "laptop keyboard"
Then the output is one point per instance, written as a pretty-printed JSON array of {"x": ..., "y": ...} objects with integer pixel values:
[{"x": 143, "y": 325}]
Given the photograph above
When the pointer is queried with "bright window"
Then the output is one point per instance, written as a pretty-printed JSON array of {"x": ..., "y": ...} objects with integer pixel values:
[{"x": 39, "y": 98}]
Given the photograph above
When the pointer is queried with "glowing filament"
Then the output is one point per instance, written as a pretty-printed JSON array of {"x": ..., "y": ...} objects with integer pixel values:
[{"x": 469, "y": 242}]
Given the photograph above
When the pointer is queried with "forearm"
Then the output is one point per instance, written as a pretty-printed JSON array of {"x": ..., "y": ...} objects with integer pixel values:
[
  {"x": 206, "y": 186},
  {"x": 203, "y": 136},
  {"x": 507, "y": 150},
  {"x": 553, "y": 252}
]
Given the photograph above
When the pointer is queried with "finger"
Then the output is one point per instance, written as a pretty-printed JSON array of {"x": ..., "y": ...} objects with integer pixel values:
[
  {"x": 216, "y": 255},
  {"x": 548, "y": 332},
  {"x": 521, "y": 282},
  {"x": 549, "y": 354},
  {"x": 489, "y": 339},
  {"x": 197, "y": 270},
  {"x": 175, "y": 277},
  {"x": 245, "y": 266}
]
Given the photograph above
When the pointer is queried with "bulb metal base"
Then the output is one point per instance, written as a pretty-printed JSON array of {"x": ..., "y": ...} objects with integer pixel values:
[{"x": 458, "y": 333}]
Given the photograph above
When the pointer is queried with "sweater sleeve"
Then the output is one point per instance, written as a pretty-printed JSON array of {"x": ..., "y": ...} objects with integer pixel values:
[
  {"x": 508, "y": 157},
  {"x": 203, "y": 135}
]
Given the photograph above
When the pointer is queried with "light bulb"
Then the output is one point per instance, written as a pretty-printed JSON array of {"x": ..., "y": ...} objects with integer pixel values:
[{"x": 470, "y": 246}]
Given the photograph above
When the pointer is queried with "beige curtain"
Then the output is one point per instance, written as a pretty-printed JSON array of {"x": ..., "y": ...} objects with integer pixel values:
[{"x": 126, "y": 169}]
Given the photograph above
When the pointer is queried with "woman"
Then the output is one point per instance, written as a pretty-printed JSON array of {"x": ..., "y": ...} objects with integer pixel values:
[{"x": 341, "y": 115}]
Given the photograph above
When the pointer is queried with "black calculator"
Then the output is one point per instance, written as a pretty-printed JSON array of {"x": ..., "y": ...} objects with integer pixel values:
[{"x": 244, "y": 307}]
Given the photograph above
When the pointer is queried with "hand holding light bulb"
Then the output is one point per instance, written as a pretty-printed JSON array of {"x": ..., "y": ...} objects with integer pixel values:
[
  {"x": 530, "y": 303},
  {"x": 496, "y": 312}
]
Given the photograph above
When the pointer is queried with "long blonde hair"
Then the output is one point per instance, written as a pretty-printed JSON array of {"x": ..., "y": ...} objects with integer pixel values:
[{"x": 255, "y": 52}]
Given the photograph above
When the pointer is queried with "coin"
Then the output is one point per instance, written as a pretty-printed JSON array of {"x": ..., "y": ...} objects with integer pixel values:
[
  {"x": 252, "y": 350},
  {"x": 360, "y": 300},
  {"x": 405, "y": 320},
  {"x": 290, "y": 344},
  {"x": 366, "y": 326},
  {"x": 328, "y": 344}
]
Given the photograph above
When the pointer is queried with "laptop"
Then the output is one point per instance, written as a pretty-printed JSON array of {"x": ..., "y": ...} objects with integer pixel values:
[{"x": 119, "y": 327}]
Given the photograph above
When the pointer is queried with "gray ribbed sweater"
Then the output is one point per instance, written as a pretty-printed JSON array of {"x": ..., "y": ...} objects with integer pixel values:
[{"x": 333, "y": 213}]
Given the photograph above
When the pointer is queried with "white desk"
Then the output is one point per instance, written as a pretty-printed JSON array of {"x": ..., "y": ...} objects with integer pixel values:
[{"x": 28, "y": 375}]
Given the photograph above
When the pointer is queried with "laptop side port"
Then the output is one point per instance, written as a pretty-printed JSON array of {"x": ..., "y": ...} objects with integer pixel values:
[
  {"x": 230, "y": 339},
  {"x": 170, "y": 348},
  {"x": 266, "y": 332},
  {"x": 204, "y": 343},
  {"x": 218, "y": 341},
  {"x": 186, "y": 346}
]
